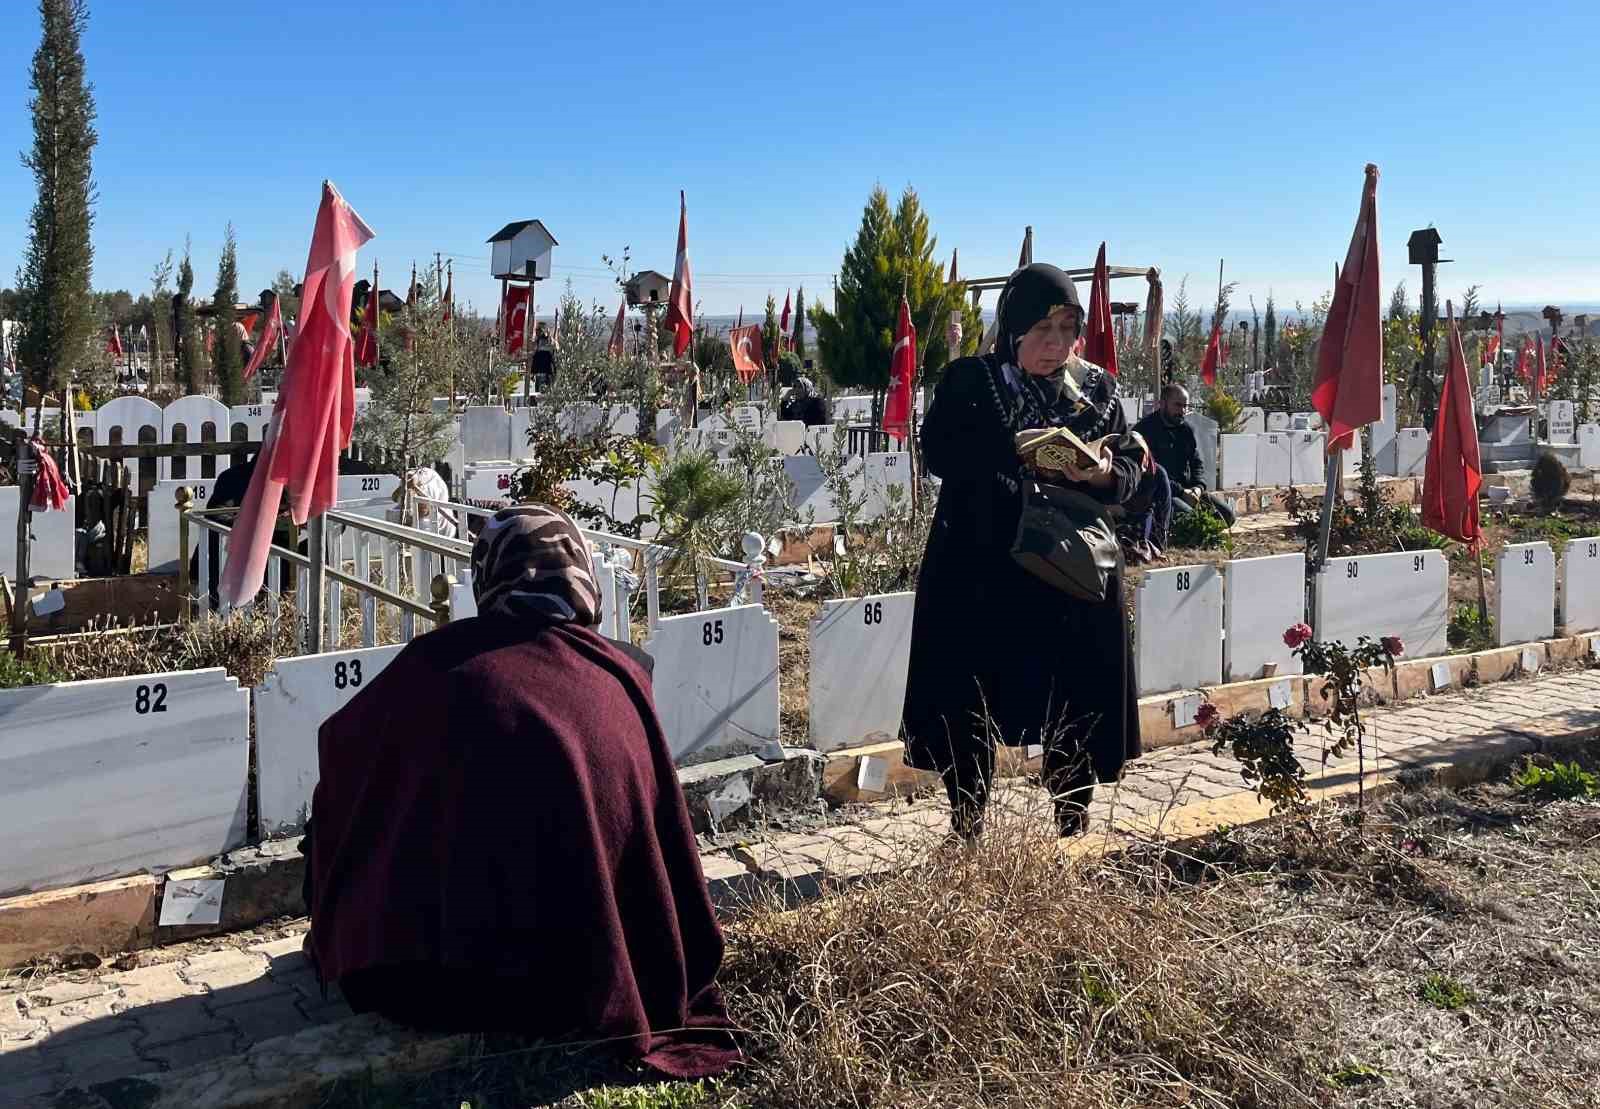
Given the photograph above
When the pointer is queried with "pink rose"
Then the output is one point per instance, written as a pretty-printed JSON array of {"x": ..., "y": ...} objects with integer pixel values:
[
  {"x": 1206, "y": 715},
  {"x": 1392, "y": 644},
  {"x": 1296, "y": 635}
]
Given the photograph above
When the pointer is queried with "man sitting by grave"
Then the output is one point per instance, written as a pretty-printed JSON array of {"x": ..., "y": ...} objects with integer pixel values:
[
  {"x": 500, "y": 844},
  {"x": 1172, "y": 443}
]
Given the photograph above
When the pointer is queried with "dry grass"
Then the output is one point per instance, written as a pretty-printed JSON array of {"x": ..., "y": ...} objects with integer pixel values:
[{"x": 245, "y": 643}]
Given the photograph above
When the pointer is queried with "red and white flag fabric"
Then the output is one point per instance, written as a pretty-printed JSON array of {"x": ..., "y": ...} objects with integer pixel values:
[
  {"x": 449, "y": 294},
  {"x": 270, "y": 331},
  {"x": 748, "y": 357},
  {"x": 1497, "y": 339},
  {"x": 114, "y": 344},
  {"x": 680, "y": 302},
  {"x": 1208, "y": 364},
  {"x": 902, "y": 376},
  {"x": 514, "y": 311},
  {"x": 1525, "y": 360},
  {"x": 367, "y": 341},
  {"x": 1539, "y": 371},
  {"x": 1454, "y": 472},
  {"x": 1099, "y": 338},
  {"x": 1348, "y": 390},
  {"x": 618, "y": 333},
  {"x": 316, "y": 408},
  {"x": 50, "y": 493}
]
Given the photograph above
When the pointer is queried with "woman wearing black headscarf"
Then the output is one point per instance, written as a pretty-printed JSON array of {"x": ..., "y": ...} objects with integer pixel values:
[
  {"x": 500, "y": 843},
  {"x": 998, "y": 655}
]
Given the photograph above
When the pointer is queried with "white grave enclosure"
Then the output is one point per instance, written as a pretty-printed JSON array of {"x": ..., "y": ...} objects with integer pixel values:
[
  {"x": 1589, "y": 446},
  {"x": 1252, "y": 421},
  {"x": 53, "y": 550},
  {"x": 1277, "y": 421},
  {"x": 162, "y": 514},
  {"x": 1205, "y": 437},
  {"x": 716, "y": 681},
  {"x": 1238, "y": 461},
  {"x": 1580, "y": 585},
  {"x": 1411, "y": 452},
  {"x": 1265, "y": 596},
  {"x": 1563, "y": 424},
  {"x": 1525, "y": 593},
  {"x": 110, "y": 777},
  {"x": 1274, "y": 451},
  {"x": 292, "y": 702},
  {"x": 860, "y": 650},
  {"x": 1403, "y": 594},
  {"x": 1308, "y": 458},
  {"x": 1178, "y": 628}
]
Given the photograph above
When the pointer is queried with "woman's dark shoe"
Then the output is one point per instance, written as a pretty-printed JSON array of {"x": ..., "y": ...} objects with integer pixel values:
[{"x": 1071, "y": 821}]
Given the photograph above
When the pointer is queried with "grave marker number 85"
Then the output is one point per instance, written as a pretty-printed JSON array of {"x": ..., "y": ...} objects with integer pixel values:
[
  {"x": 711, "y": 632},
  {"x": 150, "y": 698}
]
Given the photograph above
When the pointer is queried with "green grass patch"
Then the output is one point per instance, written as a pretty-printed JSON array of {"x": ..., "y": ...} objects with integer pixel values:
[
  {"x": 1443, "y": 992},
  {"x": 1560, "y": 781}
]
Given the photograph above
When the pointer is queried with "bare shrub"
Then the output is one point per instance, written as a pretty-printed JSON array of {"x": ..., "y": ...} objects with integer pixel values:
[{"x": 244, "y": 643}]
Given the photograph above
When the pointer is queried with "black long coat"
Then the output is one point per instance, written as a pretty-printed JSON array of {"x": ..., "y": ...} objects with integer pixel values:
[{"x": 989, "y": 639}]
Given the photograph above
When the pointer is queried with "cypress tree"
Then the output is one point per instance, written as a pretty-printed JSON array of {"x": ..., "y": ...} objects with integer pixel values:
[
  {"x": 57, "y": 309},
  {"x": 228, "y": 363},
  {"x": 769, "y": 333},
  {"x": 183, "y": 324},
  {"x": 1269, "y": 345},
  {"x": 800, "y": 325}
]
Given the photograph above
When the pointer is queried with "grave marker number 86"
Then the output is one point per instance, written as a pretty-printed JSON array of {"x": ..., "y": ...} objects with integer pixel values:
[
  {"x": 872, "y": 613},
  {"x": 150, "y": 698}
]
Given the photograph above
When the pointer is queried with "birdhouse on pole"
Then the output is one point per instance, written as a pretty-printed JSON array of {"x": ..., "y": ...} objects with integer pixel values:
[
  {"x": 646, "y": 288},
  {"x": 520, "y": 251}
]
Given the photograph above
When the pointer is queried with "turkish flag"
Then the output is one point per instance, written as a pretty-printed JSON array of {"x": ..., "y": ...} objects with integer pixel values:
[
  {"x": 1454, "y": 473},
  {"x": 748, "y": 357},
  {"x": 514, "y": 311},
  {"x": 269, "y": 338},
  {"x": 1100, "y": 342},
  {"x": 1348, "y": 390},
  {"x": 449, "y": 295},
  {"x": 114, "y": 344},
  {"x": 316, "y": 407},
  {"x": 680, "y": 302},
  {"x": 902, "y": 376},
  {"x": 615, "y": 347},
  {"x": 1539, "y": 371},
  {"x": 367, "y": 341},
  {"x": 1525, "y": 360},
  {"x": 1208, "y": 364},
  {"x": 783, "y": 322}
]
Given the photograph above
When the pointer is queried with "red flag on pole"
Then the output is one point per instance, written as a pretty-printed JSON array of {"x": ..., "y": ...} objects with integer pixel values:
[
  {"x": 783, "y": 321},
  {"x": 902, "y": 376},
  {"x": 114, "y": 344},
  {"x": 316, "y": 408},
  {"x": 1454, "y": 474},
  {"x": 514, "y": 310},
  {"x": 367, "y": 341},
  {"x": 1099, "y": 339},
  {"x": 1525, "y": 360},
  {"x": 1348, "y": 391},
  {"x": 269, "y": 339},
  {"x": 449, "y": 293},
  {"x": 1208, "y": 364},
  {"x": 616, "y": 347},
  {"x": 1495, "y": 341},
  {"x": 680, "y": 302},
  {"x": 1538, "y": 371},
  {"x": 748, "y": 356}
]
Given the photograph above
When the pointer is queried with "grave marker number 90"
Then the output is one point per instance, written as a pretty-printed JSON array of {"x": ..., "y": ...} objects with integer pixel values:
[
  {"x": 347, "y": 675},
  {"x": 1353, "y": 569},
  {"x": 150, "y": 698},
  {"x": 711, "y": 632},
  {"x": 872, "y": 613}
]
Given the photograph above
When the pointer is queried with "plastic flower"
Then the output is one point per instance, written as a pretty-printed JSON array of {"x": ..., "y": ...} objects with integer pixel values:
[
  {"x": 1392, "y": 644},
  {"x": 1206, "y": 715},
  {"x": 1298, "y": 634}
]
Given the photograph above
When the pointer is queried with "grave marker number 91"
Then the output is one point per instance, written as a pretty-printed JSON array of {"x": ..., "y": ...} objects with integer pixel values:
[
  {"x": 150, "y": 698},
  {"x": 711, "y": 632}
]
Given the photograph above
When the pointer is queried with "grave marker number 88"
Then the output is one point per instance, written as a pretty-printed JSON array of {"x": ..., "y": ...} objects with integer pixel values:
[{"x": 1183, "y": 580}]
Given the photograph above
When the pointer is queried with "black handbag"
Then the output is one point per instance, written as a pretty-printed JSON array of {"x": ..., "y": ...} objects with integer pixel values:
[{"x": 1065, "y": 540}]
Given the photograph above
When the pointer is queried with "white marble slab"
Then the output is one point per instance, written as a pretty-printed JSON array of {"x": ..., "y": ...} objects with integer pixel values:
[
  {"x": 1264, "y": 597},
  {"x": 254, "y": 418},
  {"x": 1580, "y": 585},
  {"x": 1277, "y": 421},
  {"x": 194, "y": 419},
  {"x": 162, "y": 513},
  {"x": 111, "y": 777},
  {"x": 1563, "y": 422},
  {"x": 880, "y": 471},
  {"x": 1205, "y": 437},
  {"x": 1404, "y": 594},
  {"x": 1178, "y": 628},
  {"x": 292, "y": 702},
  {"x": 851, "y": 410},
  {"x": 1383, "y": 432},
  {"x": 747, "y": 417},
  {"x": 1252, "y": 421},
  {"x": 820, "y": 438},
  {"x": 53, "y": 546},
  {"x": 785, "y": 436},
  {"x": 1589, "y": 446},
  {"x": 716, "y": 681},
  {"x": 1236, "y": 462},
  {"x": 860, "y": 649},
  {"x": 1308, "y": 458},
  {"x": 810, "y": 494},
  {"x": 1274, "y": 459},
  {"x": 486, "y": 433},
  {"x": 1525, "y": 593},
  {"x": 1411, "y": 451},
  {"x": 488, "y": 485}
]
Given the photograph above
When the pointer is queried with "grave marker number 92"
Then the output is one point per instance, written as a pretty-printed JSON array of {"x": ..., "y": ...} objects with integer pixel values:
[
  {"x": 711, "y": 632},
  {"x": 150, "y": 698},
  {"x": 1527, "y": 558}
]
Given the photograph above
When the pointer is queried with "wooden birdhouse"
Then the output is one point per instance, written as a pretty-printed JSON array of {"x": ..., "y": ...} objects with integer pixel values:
[
  {"x": 647, "y": 287},
  {"x": 1424, "y": 246},
  {"x": 520, "y": 251}
]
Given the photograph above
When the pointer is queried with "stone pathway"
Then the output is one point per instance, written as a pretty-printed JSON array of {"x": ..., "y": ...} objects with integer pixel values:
[{"x": 215, "y": 998}]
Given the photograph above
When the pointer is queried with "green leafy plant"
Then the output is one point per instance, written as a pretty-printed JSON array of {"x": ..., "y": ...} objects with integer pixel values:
[
  {"x": 1549, "y": 482},
  {"x": 1443, "y": 992},
  {"x": 1466, "y": 630},
  {"x": 28, "y": 669},
  {"x": 1223, "y": 407},
  {"x": 1560, "y": 781},
  {"x": 878, "y": 555},
  {"x": 1263, "y": 744},
  {"x": 1344, "y": 670},
  {"x": 1352, "y": 1073},
  {"x": 693, "y": 497},
  {"x": 1200, "y": 529},
  {"x": 1367, "y": 525}
]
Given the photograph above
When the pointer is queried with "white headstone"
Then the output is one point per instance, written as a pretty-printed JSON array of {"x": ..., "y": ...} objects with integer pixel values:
[
  {"x": 785, "y": 436},
  {"x": 716, "y": 681},
  {"x": 1383, "y": 432},
  {"x": 1273, "y": 458},
  {"x": 879, "y": 472},
  {"x": 747, "y": 417},
  {"x": 1350, "y": 459},
  {"x": 53, "y": 542},
  {"x": 860, "y": 649},
  {"x": 1252, "y": 421},
  {"x": 1265, "y": 597},
  {"x": 810, "y": 493},
  {"x": 486, "y": 433},
  {"x": 114, "y": 776},
  {"x": 254, "y": 417},
  {"x": 1580, "y": 585},
  {"x": 1178, "y": 628},
  {"x": 1411, "y": 452},
  {"x": 197, "y": 418},
  {"x": 1525, "y": 593},
  {"x": 163, "y": 516},
  {"x": 1238, "y": 462},
  {"x": 1205, "y": 437},
  {"x": 488, "y": 485},
  {"x": 1563, "y": 424},
  {"x": 1589, "y": 446},
  {"x": 1308, "y": 458},
  {"x": 1405, "y": 594},
  {"x": 1277, "y": 421},
  {"x": 820, "y": 438}
]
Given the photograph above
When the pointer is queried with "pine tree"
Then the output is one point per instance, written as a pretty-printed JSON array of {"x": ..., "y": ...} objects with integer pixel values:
[
  {"x": 53, "y": 282},
  {"x": 400, "y": 424},
  {"x": 1269, "y": 341},
  {"x": 227, "y": 366},
  {"x": 188, "y": 355},
  {"x": 800, "y": 325}
]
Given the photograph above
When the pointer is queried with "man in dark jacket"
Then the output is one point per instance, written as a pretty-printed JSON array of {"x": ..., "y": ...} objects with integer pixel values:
[{"x": 1175, "y": 449}]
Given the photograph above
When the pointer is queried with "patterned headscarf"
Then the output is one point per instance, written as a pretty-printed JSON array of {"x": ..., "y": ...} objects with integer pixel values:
[{"x": 534, "y": 562}]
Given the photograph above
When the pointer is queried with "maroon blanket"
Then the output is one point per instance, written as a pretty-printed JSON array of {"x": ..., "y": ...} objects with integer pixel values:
[{"x": 499, "y": 804}]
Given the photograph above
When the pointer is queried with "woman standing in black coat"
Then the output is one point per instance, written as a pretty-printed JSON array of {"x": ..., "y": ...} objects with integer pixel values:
[{"x": 997, "y": 655}]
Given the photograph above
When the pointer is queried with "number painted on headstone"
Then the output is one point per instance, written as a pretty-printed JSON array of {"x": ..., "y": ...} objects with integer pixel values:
[
  {"x": 254, "y": 410},
  {"x": 150, "y": 698},
  {"x": 711, "y": 632},
  {"x": 369, "y": 485},
  {"x": 1182, "y": 578},
  {"x": 1352, "y": 570},
  {"x": 1416, "y": 564},
  {"x": 1527, "y": 558},
  {"x": 872, "y": 612},
  {"x": 347, "y": 676},
  {"x": 1594, "y": 549}
]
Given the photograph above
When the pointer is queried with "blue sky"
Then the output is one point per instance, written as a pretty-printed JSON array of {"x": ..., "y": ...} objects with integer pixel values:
[{"x": 1179, "y": 133}]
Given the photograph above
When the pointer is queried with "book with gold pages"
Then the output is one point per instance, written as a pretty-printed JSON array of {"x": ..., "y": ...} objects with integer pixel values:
[{"x": 1056, "y": 448}]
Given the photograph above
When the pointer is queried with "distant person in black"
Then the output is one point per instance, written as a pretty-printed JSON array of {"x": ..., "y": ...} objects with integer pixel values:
[
  {"x": 1175, "y": 449},
  {"x": 804, "y": 405},
  {"x": 544, "y": 357}
]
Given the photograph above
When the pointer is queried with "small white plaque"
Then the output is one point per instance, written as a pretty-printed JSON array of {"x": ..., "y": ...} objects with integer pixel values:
[
  {"x": 1530, "y": 660},
  {"x": 872, "y": 774},
  {"x": 729, "y": 799},
  {"x": 1033, "y": 750},
  {"x": 1441, "y": 676},
  {"x": 193, "y": 901},
  {"x": 1594, "y": 644},
  {"x": 1278, "y": 695},
  {"x": 1184, "y": 710}
]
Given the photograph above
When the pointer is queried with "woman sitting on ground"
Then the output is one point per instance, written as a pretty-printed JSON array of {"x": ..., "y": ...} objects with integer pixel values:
[{"x": 500, "y": 841}]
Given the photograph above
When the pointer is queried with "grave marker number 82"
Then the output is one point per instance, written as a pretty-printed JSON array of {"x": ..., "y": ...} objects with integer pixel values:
[{"x": 150, "y": 698}]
